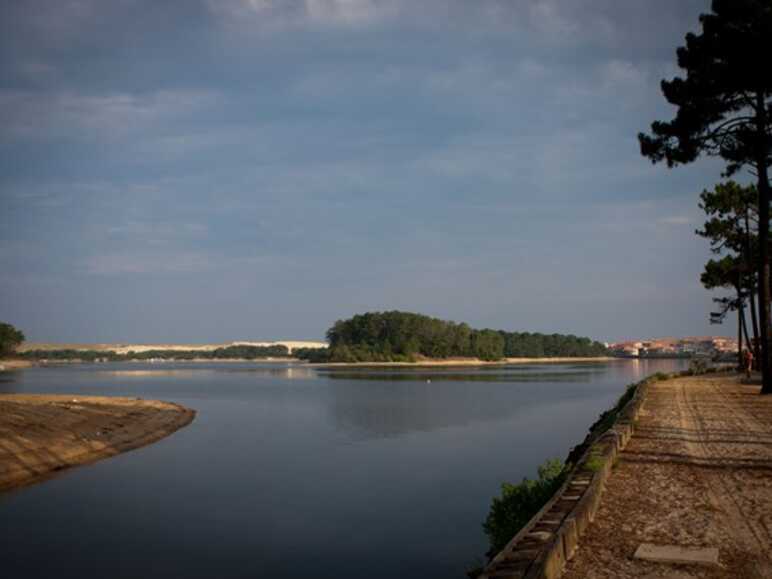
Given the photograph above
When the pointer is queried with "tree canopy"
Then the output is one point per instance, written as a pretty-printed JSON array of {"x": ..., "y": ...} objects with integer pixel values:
[
  {"x": 724, "y": 108},
  {"x": 10, "y": 339},
  {"x": 402, "y": 336}
]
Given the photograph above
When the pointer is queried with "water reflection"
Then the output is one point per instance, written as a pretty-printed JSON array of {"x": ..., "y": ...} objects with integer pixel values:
[
  {"x": 289, "y": 372},
  {"x": 281, "y": 452},
  {"x": 391, "y": 408},
  {"x": 523, "y": 373}
]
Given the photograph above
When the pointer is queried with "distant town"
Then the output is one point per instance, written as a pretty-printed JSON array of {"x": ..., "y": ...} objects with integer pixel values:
[{"x": 713, "y": 346}]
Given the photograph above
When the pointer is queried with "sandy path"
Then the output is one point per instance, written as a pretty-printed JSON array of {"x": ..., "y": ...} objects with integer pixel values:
[
  {"x": 698, "y": 473},
  {"x": 43, "y": 434}
]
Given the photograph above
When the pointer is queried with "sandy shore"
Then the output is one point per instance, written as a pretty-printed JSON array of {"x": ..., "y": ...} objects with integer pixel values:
[
  {"x": 696, "y": 473},
  {"x": 14, "y": 364},
  {"x": 43, "y": 434},
  {"x": 461, "y": 362}
]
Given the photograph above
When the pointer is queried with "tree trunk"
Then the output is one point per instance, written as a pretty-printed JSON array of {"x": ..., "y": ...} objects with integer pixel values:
[
  {"x": 739, "y": 340},
  {"x": 763, "y": 186},
  {"x": 766, "y": 377},
  {"x": 744, "y": 325},
  {"x": 754, "y": 345}
]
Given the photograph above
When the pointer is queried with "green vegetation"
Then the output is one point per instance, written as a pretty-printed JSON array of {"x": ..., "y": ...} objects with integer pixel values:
[
  {"x": 314, "y": 355},
  {"x": 227, "y": 353},
  {"x": 698, "y": 366},
  {"x": 10, "y": 338},
  {"x": 404, "y": 337},
  {"x": 724, "y": 109},
  {"x": 732, "y": 230},
  {"x": 518, "y": 503},
  {"x": 595, "y": 460}
]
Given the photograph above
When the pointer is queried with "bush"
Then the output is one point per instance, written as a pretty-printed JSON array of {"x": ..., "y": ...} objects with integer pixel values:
[
  {"x": 10, "y": 338},
  {"x": 518, "y": 503},
  {"x": 315, "y": 355},
  {"x": 698, "y": 366}
]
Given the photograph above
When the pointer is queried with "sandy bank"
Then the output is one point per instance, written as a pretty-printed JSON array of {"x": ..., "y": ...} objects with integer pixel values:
[
  {"x": 14, "y": 364},
  {"x": 450, "y": 362},
  {"x": 43, "y": 434}
]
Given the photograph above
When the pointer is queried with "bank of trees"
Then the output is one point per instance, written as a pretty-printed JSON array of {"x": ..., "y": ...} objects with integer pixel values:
[
  {"x": 723, "y": 107},
  {"x": 227, "y": 353},
  {"x": 404, "y": 336},
  {"x": 10, "y": 339}
]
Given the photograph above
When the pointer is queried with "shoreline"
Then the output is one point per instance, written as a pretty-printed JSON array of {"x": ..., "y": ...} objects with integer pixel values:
[
  {"x": 44, "y": 434},
  {"x": 428, "y": 363},
  {"x": 462, "y": 362}
]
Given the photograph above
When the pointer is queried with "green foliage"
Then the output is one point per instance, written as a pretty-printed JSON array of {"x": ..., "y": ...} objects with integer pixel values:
[
  {"x": 518, "y": 503},
  {"x": 722, "y": 101},
  {"x": 403, "y": 337},
  {"x": 10, "y": 338},
  {"x": 698, "y": 366},
  {"x": 315, "y": 355},
  {"x": 595, "y": 461},
  {"x": 723, "y": 108}
]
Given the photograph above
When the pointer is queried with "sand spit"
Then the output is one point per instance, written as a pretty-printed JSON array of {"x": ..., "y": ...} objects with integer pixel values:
[
  {"x": 41, "y": 435},
  {"x": 6, "y": 365}
]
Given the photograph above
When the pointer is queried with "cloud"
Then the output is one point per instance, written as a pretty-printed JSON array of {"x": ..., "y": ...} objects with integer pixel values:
[
  {"x": 278, "y": 14},
  {"x": 39, "y": 114},
  {"x": 675, "y": 220},
  {"x": 158, "y": 232},
  {"x": 139, "y": 262}
]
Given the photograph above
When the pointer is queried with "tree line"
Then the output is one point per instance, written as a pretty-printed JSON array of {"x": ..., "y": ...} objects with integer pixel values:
[
  {"x": 227, "y": 353},
  {"x": 404, "y": 337}
]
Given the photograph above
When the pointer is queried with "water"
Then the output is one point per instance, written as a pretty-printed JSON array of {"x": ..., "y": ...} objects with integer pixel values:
[{"x": 291, "y": 472}]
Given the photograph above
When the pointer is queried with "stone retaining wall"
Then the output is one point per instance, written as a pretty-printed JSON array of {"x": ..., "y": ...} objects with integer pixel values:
[{"x": 541, "y": 548}]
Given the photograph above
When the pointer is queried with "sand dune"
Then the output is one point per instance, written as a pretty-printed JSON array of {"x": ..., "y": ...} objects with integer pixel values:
[{"x": 125, "y": 348}]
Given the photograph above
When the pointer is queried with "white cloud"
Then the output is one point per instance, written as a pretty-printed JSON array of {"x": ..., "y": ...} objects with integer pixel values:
[
  {"x": 674, "y": 220},
  {"x": 346, "y": 11},
  {"x": 157, "y": 232},
  {"x": 623, "y": 74},
  {"x": 29, "y": 114},
  {"x": 136, "y": 262},
  {"x": 279, "y": 14}
]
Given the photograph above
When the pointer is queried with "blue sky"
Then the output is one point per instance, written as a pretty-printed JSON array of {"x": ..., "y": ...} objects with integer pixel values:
[{"x": 232, "y": 169}]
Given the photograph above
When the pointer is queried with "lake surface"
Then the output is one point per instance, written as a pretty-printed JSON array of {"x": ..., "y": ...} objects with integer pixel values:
[{"x": 292, "y": 472}]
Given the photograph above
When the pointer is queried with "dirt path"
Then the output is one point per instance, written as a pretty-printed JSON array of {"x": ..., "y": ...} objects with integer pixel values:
[
  {"x": 697, "y": 473},
  {"x": 43, "y": 434}
]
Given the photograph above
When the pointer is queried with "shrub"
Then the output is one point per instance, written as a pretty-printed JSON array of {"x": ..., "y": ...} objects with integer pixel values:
[
  {"x": 10, "y": 338},
  {"x": 698, "y": 366},
  {"x": 518, "y": 503}
]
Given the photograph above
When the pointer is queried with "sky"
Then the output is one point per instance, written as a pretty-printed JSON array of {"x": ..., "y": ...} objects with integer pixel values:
[{"x": 256, "y": 169}]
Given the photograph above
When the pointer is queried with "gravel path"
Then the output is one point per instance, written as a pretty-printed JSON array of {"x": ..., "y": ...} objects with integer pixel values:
[{"x": 697, "y": 473}]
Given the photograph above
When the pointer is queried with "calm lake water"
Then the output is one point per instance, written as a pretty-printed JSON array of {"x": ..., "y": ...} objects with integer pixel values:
[{"x": 293, "y": 472}]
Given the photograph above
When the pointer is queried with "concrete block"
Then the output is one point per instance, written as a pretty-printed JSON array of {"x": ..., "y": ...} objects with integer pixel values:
[
  {"x": 570, "y": 537},
  {"x": 550, "y": 563},
  {"x": 677, "y": 554},
  {"x": 582, "y": 514}
]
